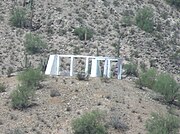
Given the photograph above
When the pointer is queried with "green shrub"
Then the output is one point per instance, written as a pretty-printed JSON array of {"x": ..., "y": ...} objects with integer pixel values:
[
  {"x": 147, "y": 79},
  {"x": 31, "y": 77},
  {"x": 127, "y": 20},
  {"x": 131, "y": 69},
  {"x": 20, "y": 97},
  {"x": 2, "y": 87},
  {"x": 159, "y": 124},
  {"x": 81, "y": 31},
  {"x": 18, "y": 17},
  {"x": 90, "y": 123},
  {"x": 144, "y": 19},
  {"x": 33, "y": 43},
  {"x": 174, "y": 2},
  {"x": 167, "y": 86}
]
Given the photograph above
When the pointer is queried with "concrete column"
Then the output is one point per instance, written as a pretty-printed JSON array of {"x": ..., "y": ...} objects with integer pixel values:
[
  {"x": 119, "y": 68},
  {"x": 57, "y": 65},
  {"x": 105, "y": 68},
  {"x": 109, "y": 69},
  {"x": 71, "y": 66},
  {"x": 94, "y": 68},
  {"x": 87, "y": 65}
]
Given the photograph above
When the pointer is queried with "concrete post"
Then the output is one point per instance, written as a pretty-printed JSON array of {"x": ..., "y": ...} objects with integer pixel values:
[
  {"x": 71, "y": 66},
  {"x": 87, "y": 65},
  {"x": 109, "y": 69},
  {"x": 119, "y": 68}
]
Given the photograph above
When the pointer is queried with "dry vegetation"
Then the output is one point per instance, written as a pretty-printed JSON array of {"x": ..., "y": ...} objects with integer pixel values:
[{"x": 145, "y": 33}]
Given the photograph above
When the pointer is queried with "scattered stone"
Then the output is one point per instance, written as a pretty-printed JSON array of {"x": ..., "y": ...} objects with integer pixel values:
[{"x": 54, "y": 93}]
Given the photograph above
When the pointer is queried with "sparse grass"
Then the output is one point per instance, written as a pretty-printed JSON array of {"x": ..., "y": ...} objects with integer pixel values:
[
  {"x": 131, "y": 69},
  {"x": 127, "y": 20},
  {"x": 31, "y": 77},
  {"x": 18, "y": 17},
  {"x": 144, "y": 19},
  {"x": 2, "y": 87},
  {"x": 162, "y": 124},
  {"x": 147, "y": 79},
  {"x": 20, "y": 97},
  {"x": 117, "y": 123},
  {"x": 33, "y": 43},
  {"x": 117, "y": 49},
  {"x": 83, "y": 33},
  {"x": 89, "y": 123}
]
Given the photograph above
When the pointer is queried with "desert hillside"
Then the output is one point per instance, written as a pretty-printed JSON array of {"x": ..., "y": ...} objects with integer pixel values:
[
  {"x": 145, "y": 33},
  {"x": 112, "y": 23},
  {"x": 54, "y": 115}
]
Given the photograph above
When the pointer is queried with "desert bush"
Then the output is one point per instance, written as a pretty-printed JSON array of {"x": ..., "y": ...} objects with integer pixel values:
[
  {"x": 127, "y": 20},
  {"x": 81, "y": 32},
  {"x": 2, "y": 87},
  {"x": 31, "y": 77},
  {"x": 33, "y": 43},
  {"x": 144, "y": 19},
  {"x": 9, "y": 71},
  {"x": 18, "y": 17},
  {"x": 25, "y": 63},
  {"x": 20, "y": 96},
  {"x": 167, "y": 86},
  {"x": 159, "y": 124},
  {"x": 117, "y": 123},
  {"x": 175, "y": 3},
  {"x": 117, "y": 49},
  {"x": 82, "y": 76},
  {"x": 89, "y": 123},
  {"x": 131, "y": 69},
  {"x": 147, "y": 79}
]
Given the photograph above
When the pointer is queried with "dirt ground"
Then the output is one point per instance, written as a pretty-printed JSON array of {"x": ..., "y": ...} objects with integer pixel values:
[{"x": 53, "y": 115}]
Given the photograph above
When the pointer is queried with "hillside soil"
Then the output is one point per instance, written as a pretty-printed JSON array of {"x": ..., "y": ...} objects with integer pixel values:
[{"x": 53, "y": 115}]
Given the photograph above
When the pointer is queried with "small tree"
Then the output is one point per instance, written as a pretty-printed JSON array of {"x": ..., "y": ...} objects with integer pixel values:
[
  {"x": 144, "y": 19},
  {"x": 90, "y": 123},
  {"x": 131, "y": 69},
  {"x": 83, "y": 33},
  {"x": 33, "y": 43},
  {"x": 147, "y": 79},
  {"x": 2, "y": 87},
  {"x": 167, "y": 86},
  {"x": 31, "y": 77},
  {"x": 160, "y": 124},
  {"x": 20, "y": 97},
  {"x": 18, "y": 17}
]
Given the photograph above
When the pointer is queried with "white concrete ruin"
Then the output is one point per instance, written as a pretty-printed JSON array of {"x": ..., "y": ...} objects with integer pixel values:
[{"x": 53, "y": 66}]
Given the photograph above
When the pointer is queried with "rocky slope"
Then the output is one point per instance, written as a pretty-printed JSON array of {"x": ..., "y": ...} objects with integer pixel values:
[
  {"x": 57, "y": 19},
  {"x": 130, "y": 106}
]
